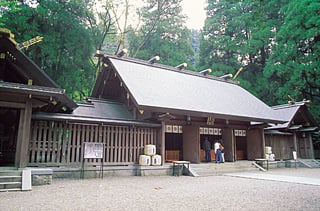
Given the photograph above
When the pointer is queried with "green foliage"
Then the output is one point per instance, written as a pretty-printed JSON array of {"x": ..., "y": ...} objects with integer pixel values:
[
  {"x": 67, "y": 46},
  {"x": 162, "y": 34},
  {"x": 294, "y": 64},
  {"x": 277, "y": 43},
  {"x": 5, "y": 6}
]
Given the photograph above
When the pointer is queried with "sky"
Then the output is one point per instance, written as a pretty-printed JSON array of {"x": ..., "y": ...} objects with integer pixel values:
[{"x": 195, "y": 11}]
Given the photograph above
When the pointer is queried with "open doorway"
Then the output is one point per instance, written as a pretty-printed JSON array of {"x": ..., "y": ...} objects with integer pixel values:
[
  {"x": 9, "y": 122},
  {"x": 213, "y": 135},
  {"x": 241, "y": 145},
  {"x": 212, "y": 139},
  {"x": 173, "y": 146}
]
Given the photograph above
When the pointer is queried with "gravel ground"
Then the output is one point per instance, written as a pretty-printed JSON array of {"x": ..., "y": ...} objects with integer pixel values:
[{"x": 170, "y": 193}]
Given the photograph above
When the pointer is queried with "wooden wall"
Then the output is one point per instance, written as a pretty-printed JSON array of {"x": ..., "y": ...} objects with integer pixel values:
[
  {"x": 59, "y": 143},
  {"x": 283, "y": 146},
  {"x": 255, "y": 143}
]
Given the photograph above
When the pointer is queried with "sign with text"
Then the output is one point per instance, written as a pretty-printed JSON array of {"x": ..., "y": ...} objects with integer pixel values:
[{"x": 93, "y": 150}]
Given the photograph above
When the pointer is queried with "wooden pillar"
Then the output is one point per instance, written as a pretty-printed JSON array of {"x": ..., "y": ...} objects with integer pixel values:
[
  {"x": 255, "y": 143},
  {"x": 295, "y": 145},
  {"x": 191, "y": 143},
  {"x": 162, "y": 138},
  {"x": 23, "y": 138},
  {"x": 263, "y": 144},
  {"x": 228, "y": 139},
  {"x": 311, "y": 146},
  {"x": 306, "y": 153}
]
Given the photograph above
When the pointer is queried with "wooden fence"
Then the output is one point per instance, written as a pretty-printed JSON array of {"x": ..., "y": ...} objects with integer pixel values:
[{"x": 59, "y": 143}]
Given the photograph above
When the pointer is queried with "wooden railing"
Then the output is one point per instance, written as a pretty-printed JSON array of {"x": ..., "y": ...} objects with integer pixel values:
[{"x": 60, "y": 143}]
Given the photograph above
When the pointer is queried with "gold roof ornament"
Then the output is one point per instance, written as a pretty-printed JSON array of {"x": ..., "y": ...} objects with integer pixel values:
[
  {"x": 30, "y": 42},
  {"x": 6, "y": 33}
]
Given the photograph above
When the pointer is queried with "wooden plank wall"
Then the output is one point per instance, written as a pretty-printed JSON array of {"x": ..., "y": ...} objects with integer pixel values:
[
  {"x": 282, "y": 146},
  {"x": 58, "y": 143}
]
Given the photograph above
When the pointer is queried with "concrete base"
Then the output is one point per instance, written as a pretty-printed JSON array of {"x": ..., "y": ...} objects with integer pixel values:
[
  {"x": 41, "y": 176},
  {"x": 108, "y": 171},
  {"x": 281, "y": 164},
  {"x": 272, "y": 165},
  {"x": 291, "y": 164},
  {"x": 153, "y": 170}
]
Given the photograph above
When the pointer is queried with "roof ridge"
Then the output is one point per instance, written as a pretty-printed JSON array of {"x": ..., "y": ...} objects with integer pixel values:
[
  {"x": 166, "y": 67},
  {"x": 92, "y": 99},
  {"x": 296, "y": 104}
]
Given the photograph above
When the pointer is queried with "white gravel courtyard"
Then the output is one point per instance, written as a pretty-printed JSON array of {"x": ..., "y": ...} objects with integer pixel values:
[{"x": 172, "y": 193}]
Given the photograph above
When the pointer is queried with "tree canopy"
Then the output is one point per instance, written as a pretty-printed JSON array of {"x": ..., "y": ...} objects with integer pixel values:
[
  {"x": 276, "y": 43},
  {"x": 162, "y": 33},
  {"x": 67, "y": 44}
]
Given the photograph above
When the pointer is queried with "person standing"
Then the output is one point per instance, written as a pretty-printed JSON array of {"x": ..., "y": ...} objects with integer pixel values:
[
  {"x": 218, "y": 151},
  {"x": 207, "y": 149},
  {"x": 221, "y": 147}
]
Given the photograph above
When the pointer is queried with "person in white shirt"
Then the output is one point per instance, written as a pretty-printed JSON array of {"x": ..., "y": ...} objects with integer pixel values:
[{"x": 217, "y": 150}]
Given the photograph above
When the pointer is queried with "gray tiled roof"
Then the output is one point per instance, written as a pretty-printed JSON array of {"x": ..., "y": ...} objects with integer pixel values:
[
  {"x": 288, "y": 112},
  {"x": 37, "y": 90},
  {"x": 103, "y": 109},
  {"x": 98, "y": 111},
  {"x": 161, "y": 88}
]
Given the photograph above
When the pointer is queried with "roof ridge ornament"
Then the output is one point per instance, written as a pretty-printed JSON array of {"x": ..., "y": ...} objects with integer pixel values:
[
  {"x": 122, "y": 52},
  {"x": 227, "y": 76},
  {"x": 182, "y": 66},
  {"x": 154, "y": 59},
  {"x": 206, "y": 71},
  {"x": 291, "y": 100}
]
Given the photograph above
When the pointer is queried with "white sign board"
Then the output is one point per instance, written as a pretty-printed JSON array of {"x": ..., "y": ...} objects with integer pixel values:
[
  {"x": 294, "y": 155},
  {"x": 93, "y": 150}
]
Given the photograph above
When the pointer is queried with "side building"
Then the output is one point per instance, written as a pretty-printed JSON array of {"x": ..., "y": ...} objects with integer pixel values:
[
  {"x": 24, "y": 89},
  {"x": 294, "y": 135}
]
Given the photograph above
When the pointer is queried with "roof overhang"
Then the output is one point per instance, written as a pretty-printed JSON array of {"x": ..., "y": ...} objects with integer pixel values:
[
  {"x": 276, "y": 132},
  {"x": 309, "y": 129},
  {"x": 52, "y": 94},
  {"x": 81, "y": 119}
]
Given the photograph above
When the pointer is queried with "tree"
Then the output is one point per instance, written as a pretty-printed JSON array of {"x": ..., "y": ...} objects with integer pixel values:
[
  {"x": 5, "y": 6},
  {"x": 276, "y": 43},
  {"x": 162, "y": 33},
  {"x": 293, "y": 67},
  {"x": 67, "y": 46},
  {"x": 238, "y": 34}
]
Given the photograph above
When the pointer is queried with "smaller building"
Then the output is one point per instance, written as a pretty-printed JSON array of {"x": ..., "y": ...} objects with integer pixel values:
[
  {"x": 24, "y": 89},
  {"x": 295, "y": 134}
]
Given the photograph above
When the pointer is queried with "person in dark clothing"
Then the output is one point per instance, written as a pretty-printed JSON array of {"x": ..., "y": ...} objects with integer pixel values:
[{"x": 207, "y": 149}]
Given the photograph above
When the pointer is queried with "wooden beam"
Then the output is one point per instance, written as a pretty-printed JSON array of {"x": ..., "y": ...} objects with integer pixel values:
[{"x": 12, "y": 104}]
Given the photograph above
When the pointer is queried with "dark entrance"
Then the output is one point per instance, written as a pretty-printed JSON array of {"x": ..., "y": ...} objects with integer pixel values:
[
  {"x": 9, "y": 121},
  {"x": 241, "y": 147},
  {"x": 173, "y": 146},
  {"x": 212, "y": 139}
]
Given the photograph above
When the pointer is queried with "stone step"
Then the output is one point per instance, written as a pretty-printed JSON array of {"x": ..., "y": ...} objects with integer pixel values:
[
  {"x": 14, "y": 180},
  {"x": 310, "y": 163},
  {"x": 208, "y": 169},
  {"x": 11, "y": 189}
]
